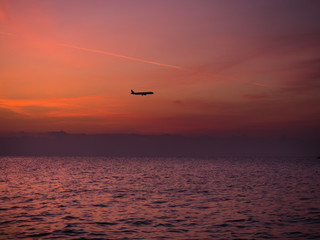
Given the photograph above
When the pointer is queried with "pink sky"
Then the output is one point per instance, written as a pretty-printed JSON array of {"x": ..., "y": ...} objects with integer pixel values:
[{"x": 216, "y": 67}]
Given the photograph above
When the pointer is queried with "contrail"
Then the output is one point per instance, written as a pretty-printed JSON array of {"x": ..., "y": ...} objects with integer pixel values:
[
  {"x": 144, "y": 61},
  {"x": 7, "y": 33},
  {"x": 109, "y": 53},
  {"x": 121, "y": 56}
]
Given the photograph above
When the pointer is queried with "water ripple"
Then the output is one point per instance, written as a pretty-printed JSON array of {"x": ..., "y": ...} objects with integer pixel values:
[{"x": 133, "y": 198}]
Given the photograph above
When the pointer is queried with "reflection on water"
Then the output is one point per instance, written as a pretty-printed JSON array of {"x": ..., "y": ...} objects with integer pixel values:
[{"x": 131, "y": 198}]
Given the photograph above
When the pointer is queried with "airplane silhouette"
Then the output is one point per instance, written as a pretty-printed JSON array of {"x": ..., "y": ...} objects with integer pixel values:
[{"x": 141, "y": 93}]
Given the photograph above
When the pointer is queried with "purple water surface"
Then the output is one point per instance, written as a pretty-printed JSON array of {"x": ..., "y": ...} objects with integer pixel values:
[{"x": 159, "y": 198}]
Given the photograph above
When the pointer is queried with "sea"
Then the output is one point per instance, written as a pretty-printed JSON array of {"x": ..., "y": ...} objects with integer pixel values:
[{"x": 159, "y": 198}]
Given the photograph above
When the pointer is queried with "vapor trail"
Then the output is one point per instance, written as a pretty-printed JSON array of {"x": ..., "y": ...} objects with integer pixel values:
[
  {"x": 109, "y": 53},
  {"x": 7, "y": 33},
  {"x": 121, "y": 56},
  {"x": 144, "y": 61}
]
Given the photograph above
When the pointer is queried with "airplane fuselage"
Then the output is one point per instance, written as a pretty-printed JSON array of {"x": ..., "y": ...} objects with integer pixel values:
[{"x": 141, "y": 93}]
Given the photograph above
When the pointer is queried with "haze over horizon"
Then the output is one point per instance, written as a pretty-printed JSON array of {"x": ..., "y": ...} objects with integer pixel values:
[{"x": 217, "y": 68}]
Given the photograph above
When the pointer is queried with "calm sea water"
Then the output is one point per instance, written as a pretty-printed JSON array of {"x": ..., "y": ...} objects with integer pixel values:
[{"x": 166, "y": 198}]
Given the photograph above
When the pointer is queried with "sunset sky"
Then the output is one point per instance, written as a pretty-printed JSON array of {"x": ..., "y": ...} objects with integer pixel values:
[{"x": 216, "y": 67}]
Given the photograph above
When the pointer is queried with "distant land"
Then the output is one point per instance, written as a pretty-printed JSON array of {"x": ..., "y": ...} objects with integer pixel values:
[{"x": 64, "y": 144}]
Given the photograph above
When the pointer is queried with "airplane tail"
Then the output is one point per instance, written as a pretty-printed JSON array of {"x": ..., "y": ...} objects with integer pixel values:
[{"x": 132, "y": 92}]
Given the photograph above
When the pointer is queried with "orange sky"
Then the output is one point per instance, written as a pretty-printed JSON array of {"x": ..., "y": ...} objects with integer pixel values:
[{"x": 216, "y": 67}]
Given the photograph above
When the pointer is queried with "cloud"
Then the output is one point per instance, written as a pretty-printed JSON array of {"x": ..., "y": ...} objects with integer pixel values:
[
  {"x": 255, "y": 96},
  {"x": 62, "y": 107},
  {"x": 80, "y": 114},
  {"x": 7, "y": 113},
  {"x": 36, "y": 109},
  {"x": 304, "y": 78}
]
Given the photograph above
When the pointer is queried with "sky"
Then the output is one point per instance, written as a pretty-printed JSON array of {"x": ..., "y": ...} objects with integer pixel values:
[{"x": 216, "y": 67}]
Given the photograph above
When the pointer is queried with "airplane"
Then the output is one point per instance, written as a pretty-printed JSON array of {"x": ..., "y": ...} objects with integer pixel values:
[{"x": 141, "y": 93}]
